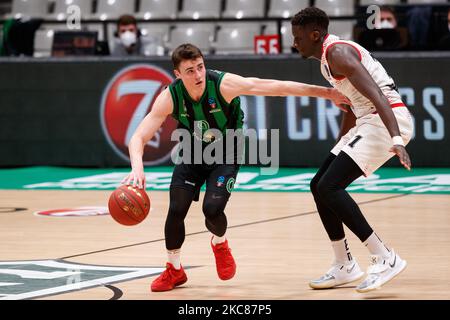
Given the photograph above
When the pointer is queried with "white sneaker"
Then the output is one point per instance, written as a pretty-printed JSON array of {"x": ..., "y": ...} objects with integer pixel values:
[
  {"x": 338, "y": 274},
  {"x": 381, "y": 271}
]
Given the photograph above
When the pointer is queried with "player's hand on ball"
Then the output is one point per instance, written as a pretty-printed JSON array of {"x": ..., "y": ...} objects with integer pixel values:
[
  {"x": 136, "y": 178},
  {"x": 403, "y": 155}
]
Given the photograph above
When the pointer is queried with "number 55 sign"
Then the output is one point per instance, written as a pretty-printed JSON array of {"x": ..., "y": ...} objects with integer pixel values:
[{"x": 267, "y": 44}]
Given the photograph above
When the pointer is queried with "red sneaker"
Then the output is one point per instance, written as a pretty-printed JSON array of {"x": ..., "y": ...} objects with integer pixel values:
[
  {"x": 169, "y": 279},
  {"x": 226, "y": 267}
]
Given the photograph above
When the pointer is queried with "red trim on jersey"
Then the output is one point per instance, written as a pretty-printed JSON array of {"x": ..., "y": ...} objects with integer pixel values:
[
  {"x": 341, "y": 42},
  {"x": 395, "y": 105},
  {"x": 324, "y": 39}
]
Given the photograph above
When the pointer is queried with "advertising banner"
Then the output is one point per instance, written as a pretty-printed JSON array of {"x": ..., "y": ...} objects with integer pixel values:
[{"x": 84, "y": 112}]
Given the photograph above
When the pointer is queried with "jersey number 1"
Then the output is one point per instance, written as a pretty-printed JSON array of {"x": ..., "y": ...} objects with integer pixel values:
[{"x": 357, "y": 138}]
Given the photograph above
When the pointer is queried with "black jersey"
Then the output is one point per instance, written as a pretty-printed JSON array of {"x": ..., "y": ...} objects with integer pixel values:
[{"x": 210, "y": 112}]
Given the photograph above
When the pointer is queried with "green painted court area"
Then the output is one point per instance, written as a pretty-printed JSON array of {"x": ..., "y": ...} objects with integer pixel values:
[{"x": 385, "y": 180}]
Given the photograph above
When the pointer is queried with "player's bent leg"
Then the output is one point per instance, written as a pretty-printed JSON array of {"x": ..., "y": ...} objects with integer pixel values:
[
  {"x": 174, "y": 230},
  {"x": 331, "y": 222},
  {"x": 216, "y": 222},
  {"x": 337, "y": 275},
  {"x": 323, "y": 168},
  {"x": 344, "y": 269},
  {"x": 341, "y": 173},
  {"x": 381, "y": 271},
  {"x": 174, "y": 275},
  {"x": 213, "y": 209}
]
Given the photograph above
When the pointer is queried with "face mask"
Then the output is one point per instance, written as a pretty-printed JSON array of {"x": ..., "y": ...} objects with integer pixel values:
[
  {"x": 128, "y": 38},
  {"x": 386, "y": 25}
]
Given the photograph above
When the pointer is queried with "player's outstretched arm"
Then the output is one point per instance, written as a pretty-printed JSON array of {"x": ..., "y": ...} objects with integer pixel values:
[
  {"x": 344, "y": 61},
  {"x": 162, "y": 107},
  {"x": 234, "y": 85}
]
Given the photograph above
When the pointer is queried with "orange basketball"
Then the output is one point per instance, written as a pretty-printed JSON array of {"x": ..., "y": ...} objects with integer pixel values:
[{"x": 129, "y": 206}]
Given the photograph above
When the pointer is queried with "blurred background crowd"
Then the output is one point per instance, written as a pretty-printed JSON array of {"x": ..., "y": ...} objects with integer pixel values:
[{"x": 121, "y": 28}]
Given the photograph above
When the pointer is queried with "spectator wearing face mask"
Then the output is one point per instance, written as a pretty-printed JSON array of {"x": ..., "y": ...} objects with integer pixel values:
[
  {"x": 130, "y": 42},
  {"x": 387, "y": 20},
  {"x": 385, "y": 34}
]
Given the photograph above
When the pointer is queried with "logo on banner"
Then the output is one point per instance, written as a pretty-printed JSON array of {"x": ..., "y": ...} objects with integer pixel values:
[
  {"x": 127, "y": 99},
  {"x": 75, "y": 212}
]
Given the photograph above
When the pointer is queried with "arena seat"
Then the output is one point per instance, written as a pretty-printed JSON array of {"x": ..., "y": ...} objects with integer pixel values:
[
  {"x": 244, "y": 9},
  {"x": 112, "y": 9},
  {"x": 286, "y": 33},
  {"x": 158, "y": 9},
  {"x": 198, "y": 9},
  {"x": 236, "y": 38},
  {"x": 195, "y": 34},
  {"x": 336, "y": 7},
  {"x": 43, "y": 41},
  {"x": 343, "y": 29},
  {"x": 286, "y": 8},
  {"x": 157, "y": 30},
  {"x": 29, "y": 8}
]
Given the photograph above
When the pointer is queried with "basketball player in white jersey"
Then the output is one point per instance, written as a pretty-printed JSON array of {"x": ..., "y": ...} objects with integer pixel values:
[{"x": 378, "y": 127}]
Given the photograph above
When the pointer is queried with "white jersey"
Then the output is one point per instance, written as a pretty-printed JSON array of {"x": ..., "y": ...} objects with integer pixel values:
[{"x": 361, "y": 106}]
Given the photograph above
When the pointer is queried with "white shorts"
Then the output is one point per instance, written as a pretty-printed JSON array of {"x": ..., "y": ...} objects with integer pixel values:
[{"x": 368, "y": 143}]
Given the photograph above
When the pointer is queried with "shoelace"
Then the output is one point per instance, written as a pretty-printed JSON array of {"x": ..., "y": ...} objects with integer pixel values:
[
  {"x": 166, "y": 275},
  {"x": 375, "y": 262}
]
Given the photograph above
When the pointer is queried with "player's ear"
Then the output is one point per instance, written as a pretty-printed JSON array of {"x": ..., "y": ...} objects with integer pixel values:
[
  {"x": 177, "y": 73},
  {"x": 315, "y": 35}
]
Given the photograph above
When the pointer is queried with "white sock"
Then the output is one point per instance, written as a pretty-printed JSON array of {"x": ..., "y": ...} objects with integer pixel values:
[
  {"x": 217, "y": 240},
  {"x": 341, "y": 251},
  {"x": 376, "y": 246},
  {"x": 174, "y": 258}
]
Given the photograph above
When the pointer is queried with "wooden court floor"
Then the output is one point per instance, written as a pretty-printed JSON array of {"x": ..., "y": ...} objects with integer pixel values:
[{"x": 276, "y": 238}]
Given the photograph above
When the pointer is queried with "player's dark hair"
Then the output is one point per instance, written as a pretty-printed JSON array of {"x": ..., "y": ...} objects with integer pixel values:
[
  {"x": 314, "y": 17},
  {"x": 183, "y": 52}
]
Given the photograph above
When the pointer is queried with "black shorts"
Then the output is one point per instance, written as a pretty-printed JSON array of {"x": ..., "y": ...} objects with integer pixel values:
[{"x": 219, "y": 178}]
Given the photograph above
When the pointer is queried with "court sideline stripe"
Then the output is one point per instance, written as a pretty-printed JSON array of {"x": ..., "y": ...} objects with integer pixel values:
[{"x": 230, "y": 227}]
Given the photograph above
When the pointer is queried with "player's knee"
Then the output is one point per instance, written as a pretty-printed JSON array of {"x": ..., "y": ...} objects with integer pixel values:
[
  {"x": 212, "y": 209},
  {"x": 313, "y": 185},
  {"x": 323, "y": 188},
  {"x": 326, "y": 188}
]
